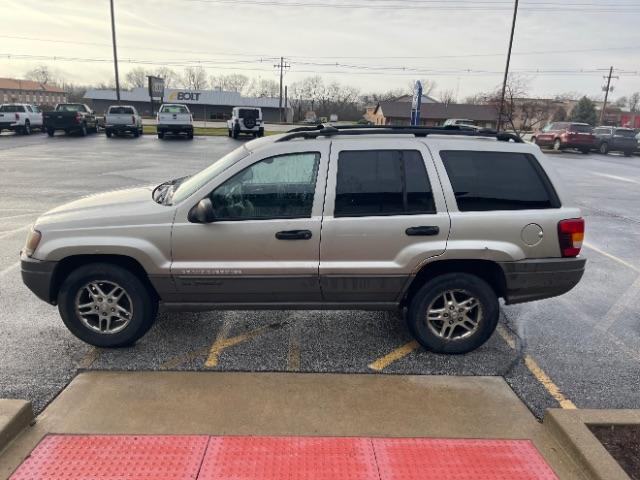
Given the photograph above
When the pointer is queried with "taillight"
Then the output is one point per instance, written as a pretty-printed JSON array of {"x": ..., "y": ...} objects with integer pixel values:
[
  {"x": 570, "y": 236},
  {"x": 17, "y": 116}
]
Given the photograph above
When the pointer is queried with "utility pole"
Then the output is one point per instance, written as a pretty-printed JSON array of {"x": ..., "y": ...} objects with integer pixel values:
[
  {"x": 506, "y": 70},
  {"x": 606, "y": 89},
  {"x": 115, "y": 52},
  {"x": 282, "y": 65},
  {"x": 285, "y": 102}
]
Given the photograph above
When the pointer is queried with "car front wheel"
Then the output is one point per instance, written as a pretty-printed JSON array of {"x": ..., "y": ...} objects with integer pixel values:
[
  {"x": 557, "y": 145},
  {"x": 453, "y": 313},
  {"x": 106, "y": 305}
]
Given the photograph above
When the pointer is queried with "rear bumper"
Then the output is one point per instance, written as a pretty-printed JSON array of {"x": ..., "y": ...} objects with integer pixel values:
[
  {"x": 578, "y": 144},
  {"x": 37, "y": 275},
  {"x": 529, "y": 280},
  {"x": 175, "y": 128},
  {"x": 121, "y": 127}
]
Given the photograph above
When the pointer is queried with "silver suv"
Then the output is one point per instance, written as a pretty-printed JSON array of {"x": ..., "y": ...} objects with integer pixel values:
[{"x": 441, "y": 223}]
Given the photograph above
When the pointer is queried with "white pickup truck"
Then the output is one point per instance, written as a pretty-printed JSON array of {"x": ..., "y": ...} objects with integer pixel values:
[
  {"x": 20, "y": 117},
  {"x": 245, "y": 120},
  {"x": 175, "y": 118},
  {"x": 122, "y": 119}
]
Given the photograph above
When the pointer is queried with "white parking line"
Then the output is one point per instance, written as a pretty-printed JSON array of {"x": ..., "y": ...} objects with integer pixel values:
[
  {"x": 615, "y": 177},
  {"x": 612, "y": 257}
]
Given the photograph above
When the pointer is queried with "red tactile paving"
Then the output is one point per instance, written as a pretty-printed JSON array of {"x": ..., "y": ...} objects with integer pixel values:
[
  {"x": 296, "y": 458},
  {"x": 430, "y": 459},
  {"x": 114, "y": 457}
]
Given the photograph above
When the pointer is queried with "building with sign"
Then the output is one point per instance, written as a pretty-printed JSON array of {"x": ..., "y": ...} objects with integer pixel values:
[
  {"x": 28, "y": 91},
  {"x": 210, "y": 105}
]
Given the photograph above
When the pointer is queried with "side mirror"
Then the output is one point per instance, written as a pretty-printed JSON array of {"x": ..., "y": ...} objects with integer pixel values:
[{"x": 202, "y": 212}]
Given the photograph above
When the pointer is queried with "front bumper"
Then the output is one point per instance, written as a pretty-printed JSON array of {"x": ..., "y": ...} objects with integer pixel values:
[
  {"x": 529, "y": 280},
  {"x": 37, "y": 275}
]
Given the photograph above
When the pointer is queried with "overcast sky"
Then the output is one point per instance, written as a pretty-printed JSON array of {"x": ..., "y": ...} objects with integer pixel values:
[{"x": 460, "y": 44}]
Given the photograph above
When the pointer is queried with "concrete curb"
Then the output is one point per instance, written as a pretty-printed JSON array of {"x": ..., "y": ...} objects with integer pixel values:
[
  {"x": 570, "y": 429},
  {"x": 15, "y": 416}
]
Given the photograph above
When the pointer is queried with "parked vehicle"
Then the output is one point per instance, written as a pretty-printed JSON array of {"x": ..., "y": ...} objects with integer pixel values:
[
  {"x": 440, "y": 222},
  {"x": 175, "y": 119},
  {"x": 20, "y": 117},
  {"x": 613, "y": 139},
  {"x": 566, "y": 135},
  {"x": 458, "y": 121},
  {"x": 121, "y": 119},
  {"x": 638, "y": 143},
  {"x": 245, "y": 120},
  {"x": 71, "y": 117}
]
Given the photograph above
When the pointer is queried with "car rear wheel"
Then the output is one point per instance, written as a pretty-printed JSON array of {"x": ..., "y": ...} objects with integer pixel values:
[
  {"x": 108, "y": 133},
  {"x": 628, "y": 153},
  {"x": 190, "y": 135},
  {"x": 557, "y": 145},
  {"x": 161, "y": 135},
  {"x": 106, "y": 305},
  {"x": 453, "y": 313},
  {"x": 585, "y": 150},
  {"x": 27, "y": 128},
  {"x": 51, "y": 132},
  {"x": 604, "y": 148},
  {"x": 83, "y": 130}
]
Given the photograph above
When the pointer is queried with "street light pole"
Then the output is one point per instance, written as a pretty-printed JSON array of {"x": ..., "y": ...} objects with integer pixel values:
[
  {"x": 115, "y": 52},
  {"x": 506, "y": 70}
]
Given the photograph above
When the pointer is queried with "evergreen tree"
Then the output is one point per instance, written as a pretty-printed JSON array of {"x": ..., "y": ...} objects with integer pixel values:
[{"x": 584, "y": 112}]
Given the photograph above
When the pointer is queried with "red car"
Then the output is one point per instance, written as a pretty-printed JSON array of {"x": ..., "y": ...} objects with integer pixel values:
[{"x": 563, "y": 135}]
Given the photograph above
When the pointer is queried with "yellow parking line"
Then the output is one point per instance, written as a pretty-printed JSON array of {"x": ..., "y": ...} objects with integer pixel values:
[
  {"x": 393, "y": 356},
  {"x": 612, "y": 257},
  {"x": 223, "y": 342},
  {"x": 537, "y": 372},
  {"x": 293, "y": 356}
]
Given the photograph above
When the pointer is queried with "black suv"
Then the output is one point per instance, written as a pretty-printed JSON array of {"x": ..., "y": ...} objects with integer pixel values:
[{"x": 613, "y": 139}]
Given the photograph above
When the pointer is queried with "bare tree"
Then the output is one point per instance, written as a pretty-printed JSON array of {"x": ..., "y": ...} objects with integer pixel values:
[
  {"x": 447, "y": 96},
  {"x": 621, "y": 102},
  {"x": 195, "y": 78},
  {"x": 171, "y": 78},
  {"x": 260, "y": 87},
  {"x": 634, "y": 102},
  {"x": 234, "y": 82},
  {"x": 136, "y": 78},
  {"x": 41, "y": 74}
]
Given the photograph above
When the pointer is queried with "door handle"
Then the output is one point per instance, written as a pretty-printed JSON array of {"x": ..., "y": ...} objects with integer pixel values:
[
  {"x": 422, "y": 231},
  {"x": 294, "y": 235}
]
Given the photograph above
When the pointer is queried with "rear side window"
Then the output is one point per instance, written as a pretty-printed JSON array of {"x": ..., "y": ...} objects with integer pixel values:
[
  {"x": 484, "y": 181},
  {"x": 626, "y": 133},
  {"x": 11, "y": 108},
  {"x": 121, "y": 111},
  {"x": 382, "y": 182},
  {"x": 581, "y": 128}
]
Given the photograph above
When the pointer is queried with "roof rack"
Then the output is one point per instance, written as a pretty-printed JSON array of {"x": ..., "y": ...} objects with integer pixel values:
[{"x": 333, "y": 130}]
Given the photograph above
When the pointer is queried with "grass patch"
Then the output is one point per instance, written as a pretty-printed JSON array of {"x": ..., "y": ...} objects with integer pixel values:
[{"x": 199, "y": 131}]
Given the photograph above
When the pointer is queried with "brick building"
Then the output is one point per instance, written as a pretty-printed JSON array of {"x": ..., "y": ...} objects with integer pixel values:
[{"x": 27, "y": 91}]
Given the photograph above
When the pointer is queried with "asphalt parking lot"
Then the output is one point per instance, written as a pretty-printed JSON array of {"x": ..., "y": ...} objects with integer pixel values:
[{"x": 580, "y": 349}]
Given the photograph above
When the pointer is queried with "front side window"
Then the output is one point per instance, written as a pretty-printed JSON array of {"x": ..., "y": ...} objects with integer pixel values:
[
  {"x": 382, "y": 182},
  {"x": 485, "y": 181},
  {"x": 276, "y": 187}
]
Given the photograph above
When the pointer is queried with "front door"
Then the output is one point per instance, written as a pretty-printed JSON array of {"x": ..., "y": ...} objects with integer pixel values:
[
  {"x": 385, "y": 216},
  {"x": 263, "y": 245}
]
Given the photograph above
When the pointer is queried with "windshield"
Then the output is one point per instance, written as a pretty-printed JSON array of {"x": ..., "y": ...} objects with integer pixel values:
[
  {"x": 70, "y": 107},
  {"x": 188, "y": 186},
  {"x": 623, "y": 132},
  {"x": 174, "y": 109},
  {"x": 121, "y": 110},
  {"x": 580, "y": 128},
  {"x": 11, "y": 108}
]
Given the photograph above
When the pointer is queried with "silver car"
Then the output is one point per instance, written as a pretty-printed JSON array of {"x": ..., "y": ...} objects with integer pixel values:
[{"x": 438, "y": 222}]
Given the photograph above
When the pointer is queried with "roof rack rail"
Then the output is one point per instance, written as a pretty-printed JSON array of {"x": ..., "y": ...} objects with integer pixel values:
[{"x": 333, "y": 130}]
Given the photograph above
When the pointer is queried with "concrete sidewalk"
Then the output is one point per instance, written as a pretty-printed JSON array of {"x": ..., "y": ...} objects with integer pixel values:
[{"x": 217, "y": 403}]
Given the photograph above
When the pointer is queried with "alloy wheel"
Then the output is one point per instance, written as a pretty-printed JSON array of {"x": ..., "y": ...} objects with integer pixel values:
[
  {"x": 104, "y": 307},
  {"x": 454, "y": 315}
]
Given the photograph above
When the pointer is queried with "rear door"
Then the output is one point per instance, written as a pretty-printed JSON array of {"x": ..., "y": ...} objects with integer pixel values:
[{"x": 384, "y": 217}]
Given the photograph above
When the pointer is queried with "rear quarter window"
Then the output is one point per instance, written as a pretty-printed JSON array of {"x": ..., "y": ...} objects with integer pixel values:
[{"x": 486, "y": 181}]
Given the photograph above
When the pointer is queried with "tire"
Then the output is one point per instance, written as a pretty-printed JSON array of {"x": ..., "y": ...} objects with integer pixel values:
[
  {"x": 534, "y": 140},
  {"x": 557, "y": 145},
  {"x": 136, "y": 133},
  {"x": 261, "y": 132},
  {"x": 108, "y": 133},
  {"x": 628, "y": 153},
  {"x": 236, "y": 132},
  {"x": 464, "y": 286},
  {"x": 51, "y": 132},
  {"x": 585, "y": 150},
  {"x": 26, "y": 130},
  {"x": 190, "y": 135},
  {"x": 229, "y": 132},
  {"x": 160, "y": 135},
  {"x": 137, "y": 300},
  {"x": 604, "y": 148},
  {"x": 83, "y": 130}
]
